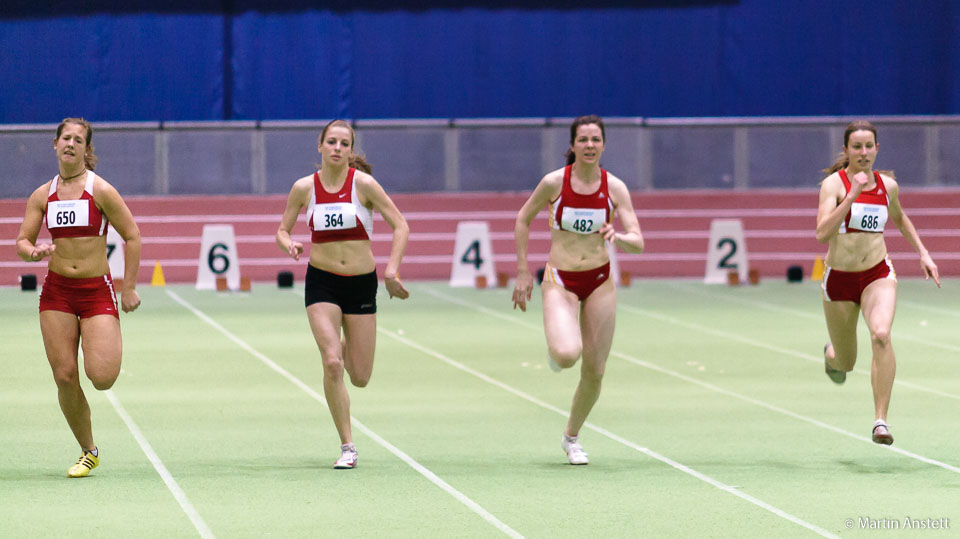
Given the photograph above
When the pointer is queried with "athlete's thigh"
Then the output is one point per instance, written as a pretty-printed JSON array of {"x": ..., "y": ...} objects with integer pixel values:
[
  {"x": 102, "y": 346},
  {"x": 598, "y": 318},
  {"x": 841, "y": 319},
  {"x": 360, "y": 336},
  {"x": 560, "y": 316},
  {"x": 61, "y": 339},
  {"x": 325, "y": 322},
  {"x": 879, "y": 304}
]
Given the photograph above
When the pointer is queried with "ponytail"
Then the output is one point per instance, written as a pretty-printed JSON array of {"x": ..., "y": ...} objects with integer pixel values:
[
  {"x": 841, "y": 162},
  {"x": 360, "y": 163}
]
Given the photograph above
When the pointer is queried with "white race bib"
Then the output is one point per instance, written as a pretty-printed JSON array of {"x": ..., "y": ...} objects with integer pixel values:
[
  {"x": 62, "y": 213},
  {"x": 867, "y": 217},
  {"x": 334, "y": 216},
  {"x": 582, "y": 220}
]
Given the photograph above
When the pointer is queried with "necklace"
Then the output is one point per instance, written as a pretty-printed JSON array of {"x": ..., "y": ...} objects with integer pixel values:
[{"x": 74, "y": 176}]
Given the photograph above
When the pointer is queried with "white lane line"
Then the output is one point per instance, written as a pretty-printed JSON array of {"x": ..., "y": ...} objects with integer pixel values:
[
  {"x": 783, "y": 411},
  {"x": 481, "y": 308},
  {"x": 718, "y": 389},
  {"x": 931, "y": 308},
  {"x": 171, "y": 483},
  {"x": 805, "y": 314},
  {"x": 646, "y": 451},
  {"x": 793, "y": 312},
  {"x": 433, "y": 478}
]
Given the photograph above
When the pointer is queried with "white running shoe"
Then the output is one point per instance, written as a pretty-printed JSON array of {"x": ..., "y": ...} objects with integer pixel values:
[
  {"x": 881, "y": 433},
  {"x": 348, "y": 458},
  {"x": 575, "y": 453},
  {"x": 554, "y": 366}
]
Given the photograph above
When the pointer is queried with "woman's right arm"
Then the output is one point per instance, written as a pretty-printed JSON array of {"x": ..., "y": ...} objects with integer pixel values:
[
  {"x": 546, "y": 191},
  {"x": 829, "y": 213},
  {"x": 30, "y": 229},
  {"x": 295, "y": 201}
]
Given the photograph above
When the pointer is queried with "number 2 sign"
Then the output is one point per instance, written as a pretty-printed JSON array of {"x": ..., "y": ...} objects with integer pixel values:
[{"x": 726, "y": 252}]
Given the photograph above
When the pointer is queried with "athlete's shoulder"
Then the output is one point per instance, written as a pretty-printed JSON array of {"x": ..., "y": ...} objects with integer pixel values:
[
  {"x": 99, "y": 184},
  {"x": 304, "y": 183},
  {"x": 301, "y": 190},
  {"x": 889, "y": 181},
  {"x": 43, "y": 190},
  {"x": 614, "y": 182},
  {"x": 38, "y": 199},
  {"x": 554, "y": 177},
  {"x": 363, "y": 178},
  {"x": 832, "y": 182}
]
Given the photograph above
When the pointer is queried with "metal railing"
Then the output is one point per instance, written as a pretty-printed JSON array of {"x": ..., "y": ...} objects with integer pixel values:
[{"x": 506, "y": 154}]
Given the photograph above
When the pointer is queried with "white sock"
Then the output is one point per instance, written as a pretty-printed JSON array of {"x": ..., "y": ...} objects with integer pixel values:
[
  {"x": 95, "y": 452},
  {"x": 348, "y": 447}
]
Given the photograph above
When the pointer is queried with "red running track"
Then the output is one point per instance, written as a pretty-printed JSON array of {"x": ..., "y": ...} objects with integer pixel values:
[{"x": 779, "y": 228}]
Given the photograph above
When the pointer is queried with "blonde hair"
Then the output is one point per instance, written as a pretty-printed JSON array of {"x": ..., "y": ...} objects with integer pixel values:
[
  {"x": 89, "y": 158},
  {"x": 357, "y": 161}
]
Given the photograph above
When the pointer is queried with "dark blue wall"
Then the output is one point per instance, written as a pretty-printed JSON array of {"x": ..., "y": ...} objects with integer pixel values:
[{"x": 231, "y": 60}]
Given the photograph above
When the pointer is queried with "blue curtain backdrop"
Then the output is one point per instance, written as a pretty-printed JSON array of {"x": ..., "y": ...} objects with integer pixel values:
[{"x": 294, "y": 60}]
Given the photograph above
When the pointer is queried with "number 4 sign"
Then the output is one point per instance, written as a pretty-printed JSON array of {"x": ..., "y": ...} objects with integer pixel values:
[
  {"x": 726, "y": 252},
  {"x": 115, "y": 253},
  {"x": 218, "y": 258},
  {"x": 472, "y": 254}
]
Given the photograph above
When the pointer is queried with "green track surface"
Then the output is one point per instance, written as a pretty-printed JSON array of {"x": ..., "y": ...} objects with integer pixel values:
[{"x": 716, "y": 420}]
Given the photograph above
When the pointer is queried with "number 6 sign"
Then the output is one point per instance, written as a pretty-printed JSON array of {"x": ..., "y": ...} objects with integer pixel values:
[{"x": 218, "y": 258}]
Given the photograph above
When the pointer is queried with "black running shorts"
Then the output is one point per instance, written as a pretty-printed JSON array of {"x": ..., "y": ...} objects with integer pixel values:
[{"x": 354, "y": 294}]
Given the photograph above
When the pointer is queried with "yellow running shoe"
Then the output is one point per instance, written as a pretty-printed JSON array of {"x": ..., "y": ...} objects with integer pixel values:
[{"x": 85, "y": 463}]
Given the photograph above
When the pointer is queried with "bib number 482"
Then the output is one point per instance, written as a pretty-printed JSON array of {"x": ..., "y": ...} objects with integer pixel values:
[{"x": 583, "y": 225}]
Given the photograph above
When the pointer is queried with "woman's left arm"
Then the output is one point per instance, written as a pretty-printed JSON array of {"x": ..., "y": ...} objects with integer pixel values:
[
  {"x": 119, "y": 215},
  {"x": 905, "y": 225},
  {"x": 374, "y": 195},
  {"x": 631, "y": 240}
]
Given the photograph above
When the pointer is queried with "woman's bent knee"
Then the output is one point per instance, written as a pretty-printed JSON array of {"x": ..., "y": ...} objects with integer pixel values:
[
  {"x": 103, "y": 383},
  {"x": 566, "y": 357},
  {"x": 359, "y": 380}
]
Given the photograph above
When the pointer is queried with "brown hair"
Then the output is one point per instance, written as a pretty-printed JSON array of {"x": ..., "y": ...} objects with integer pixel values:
[
  {"x": 583, "y": 120},
  {"x": 842, "y": 159},
  {"x": 357, "y": 161},
  {"x": 89, "y": 159}
]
